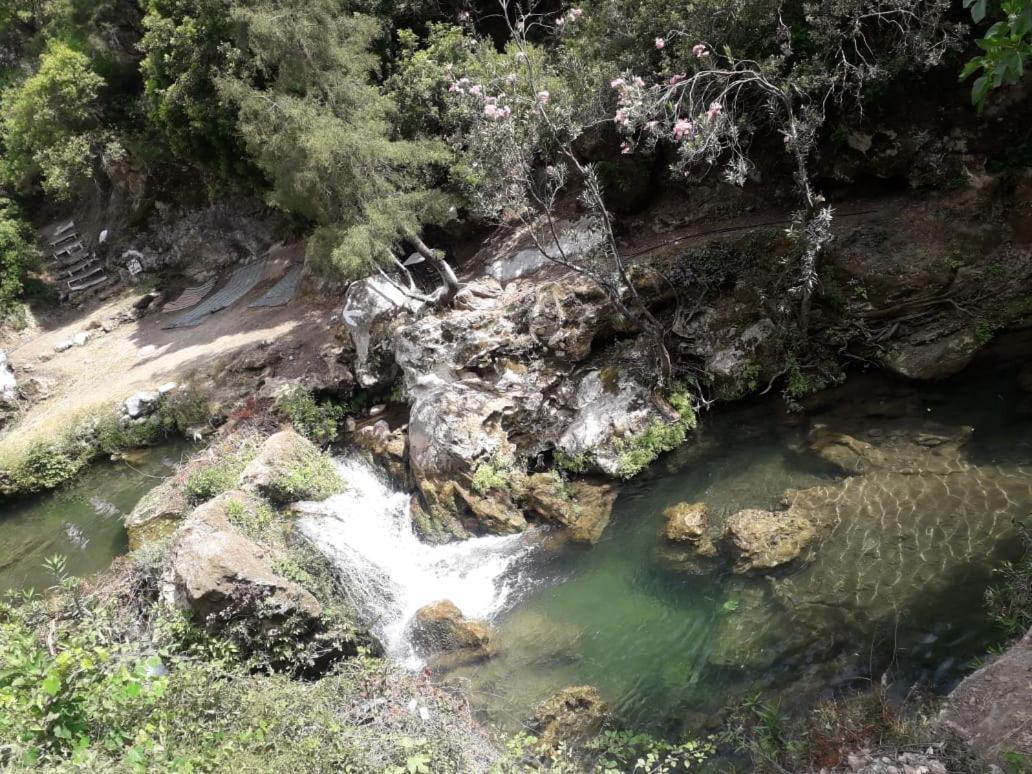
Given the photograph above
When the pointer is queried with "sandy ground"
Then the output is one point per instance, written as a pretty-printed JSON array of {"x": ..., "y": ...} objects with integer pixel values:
[{"x": 140, "y": 355}]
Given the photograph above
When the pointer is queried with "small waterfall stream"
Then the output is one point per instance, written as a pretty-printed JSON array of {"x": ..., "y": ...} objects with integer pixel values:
[{"x": 390, "y": 573}]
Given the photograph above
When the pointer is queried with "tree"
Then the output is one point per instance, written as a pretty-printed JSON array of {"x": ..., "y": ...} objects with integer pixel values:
[
  {"x": 186, "y": 47},
  {"x": 17, "y": 255},
  {"x": 51, "y": 123},
  {"x": 1007, "y": 47},
  {"x": 321, "y": 132}
]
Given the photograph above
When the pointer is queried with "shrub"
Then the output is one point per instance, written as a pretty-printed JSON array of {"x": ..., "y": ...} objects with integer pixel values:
[
  {"x": 310, "y": 477},
  {"x": 638, "y": 453},
  {"x": 318, "y": 421},
  {"x": 17, "y": 256},
  {"x": 494, "y": 474},
  {"x": 212, "y": 481}
]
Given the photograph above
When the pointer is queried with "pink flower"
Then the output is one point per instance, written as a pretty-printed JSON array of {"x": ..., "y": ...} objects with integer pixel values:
[
  {"x": 625, "y": 148},
  {"x": 660, "y": 43},
  {"x": 699, "y": 51},
  {"x": 676, "y": 79},
  {"x": 510, "y": 78},
  {"x": 463, "y": 16},
  {"x": 576, "y": 13},
  {"x": 618, "y": 83},
  {"x": 476, "y": 90},
  {"x": 455, "y": 89},
  {"x": 715, "y": 109},
  {"x": 621, "y": 117},
  {"x": 638, "y": 82},
  {"x": 651, "y": 125},
  {"x": 560, "y": 21},
  {"x": 543, "y": 97},
  {"x": 683, "y": 127}
]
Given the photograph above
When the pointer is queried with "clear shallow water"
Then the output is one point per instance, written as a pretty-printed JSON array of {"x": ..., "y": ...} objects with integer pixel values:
[
  {"x": 82, "y": 521},
  {"x": 894, "y": 583}
]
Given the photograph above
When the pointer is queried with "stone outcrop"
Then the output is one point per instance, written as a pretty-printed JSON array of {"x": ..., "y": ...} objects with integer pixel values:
[
  {"x": 289, "y": 469},
  {"x": 571, "y": 717},
  {"x": 583, "y": 508},
  {"x": 513, "y": 373},
  {"x": 372, "y": 309},
  {"x": 440, "y": 632},
  {"x": 939, "y": 358},
  {"x": 685, "y": 522},
  {"x": 157, "y": 513},
  {"x": 991, "y": 709},
  {"x": 763, "y": 540},
  {"x": 217, "y": 574}
]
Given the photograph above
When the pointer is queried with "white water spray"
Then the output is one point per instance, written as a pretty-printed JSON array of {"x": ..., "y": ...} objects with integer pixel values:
[{"x": 390, "y": 573}]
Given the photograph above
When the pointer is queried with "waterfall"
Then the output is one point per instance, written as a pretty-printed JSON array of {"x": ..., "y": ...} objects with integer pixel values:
[{"x": 389, "y": 573}]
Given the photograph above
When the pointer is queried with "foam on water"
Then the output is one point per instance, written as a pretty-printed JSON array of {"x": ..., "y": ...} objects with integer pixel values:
[{"x": 390, "y": 573}]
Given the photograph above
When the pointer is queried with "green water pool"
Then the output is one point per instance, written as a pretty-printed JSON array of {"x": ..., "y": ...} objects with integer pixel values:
[
  {"x": 82, "y": 521},
  {"x": 894, "y": 585}
]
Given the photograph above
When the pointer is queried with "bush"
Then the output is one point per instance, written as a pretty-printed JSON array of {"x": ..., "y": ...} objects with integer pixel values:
[
  {"x": 311, "y": 477},
  {"x": 318, "y": 421},
  {"x": 638, "y": 453},
  {"x": 212, "y": 481},
  {"x": 17, "y": 255}
]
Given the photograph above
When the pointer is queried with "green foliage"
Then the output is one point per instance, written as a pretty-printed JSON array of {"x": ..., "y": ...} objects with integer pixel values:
[
  {"x": 309, "y": 477},
  {"x": 47, "y": 465},
  {"x": 204, "y": 484},
  {"x": 50, "y": 122},
  {"x": 186, "y": 48},
  {"x": 610, "y": 752},
  {"x": 1010, "y": 599},
  {"x": 18, "y": 254},
  {"x": 83, "y": 693},
  {"x": 639, "y": 452},
  {"x": 579, "y": 463},
  {"x": 495, "y": 474},
  {"x": 318, "y": 421},
  {"x": 320, "y": 131},
  {"x": 1007, "y": 47}
]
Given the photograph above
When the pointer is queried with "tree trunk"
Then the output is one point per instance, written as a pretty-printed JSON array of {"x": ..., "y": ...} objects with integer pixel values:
[{"x": 444, "y": 269}]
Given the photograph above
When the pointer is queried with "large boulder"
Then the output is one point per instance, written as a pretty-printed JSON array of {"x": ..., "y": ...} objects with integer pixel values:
[
  {"x": 685, "y": 522},
  {"x": 939, "y": 358},
  {"x": 441, "y": 633},
  {"x": 140, "y": 404},
  {"x": 217, "y": 574},
  {"x": 289, "y": 469},
  {"x": 157, "y": 513},
  {"x": 372, "y": 309},
  {"x": 582, "y": 508},
  {"x": 767, "y": 539},
  {"x": 991, "y": 709},
  {"x": 571, "y": 717}
]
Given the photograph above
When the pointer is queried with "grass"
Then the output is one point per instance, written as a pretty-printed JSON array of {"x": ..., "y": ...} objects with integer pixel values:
[
  {"x": 59, "y": 448},
  {"x": 639, "y": 452}
]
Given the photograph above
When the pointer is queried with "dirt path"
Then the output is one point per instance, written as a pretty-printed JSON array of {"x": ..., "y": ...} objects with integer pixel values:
[{"x": 140, "y": 355}]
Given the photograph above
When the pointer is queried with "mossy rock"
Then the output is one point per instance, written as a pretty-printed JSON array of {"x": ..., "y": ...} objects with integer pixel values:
[{"x": 289, "y": 469}]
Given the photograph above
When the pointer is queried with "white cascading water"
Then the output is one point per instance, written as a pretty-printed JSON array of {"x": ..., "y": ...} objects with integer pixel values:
[{"x": 367, "y": 533}]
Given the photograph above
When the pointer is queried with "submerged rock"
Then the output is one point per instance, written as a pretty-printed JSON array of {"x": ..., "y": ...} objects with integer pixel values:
[
  {"x": 685, "y": 522},
  {"x": 289, "y": 469},
  {"x": 991, "y": 709},
  {"x": 440, "y": 631},
  {"x": 845, "y": 452},
  {"x": 217, "y": 574},
  {"x": 571, "y": 717},
  {"x": 767, "y": 539}
]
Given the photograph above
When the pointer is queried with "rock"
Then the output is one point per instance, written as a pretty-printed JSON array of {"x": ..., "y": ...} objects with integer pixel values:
[
  {"x": 571, "y": 717},
  {"x": 8, "y": 382},
  {"x": 768, "y": 539},
  {"x": 575, "y": 239},
  {"x": 64, "y": 346},
  {"x": 80, "y": 338},
  {"x": 439, "y": 630},
  {"x": 845, "y": 452},
  {"x": 157, "y": 513},
  {"x": 685, "y": 522},
  {"x": 388, "y": 448},
  {"x": 372, "y": 310},
  {"x": 942, "y": 357},
  {"x": 496, "y": 514},
  {"x": 991, "y": 709},
  {"x": 217, "y": 574},
  {"x": 289, "y": 469},
  {"x": 166, "y": 388},
  {"x": 140, "y": 405}
]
